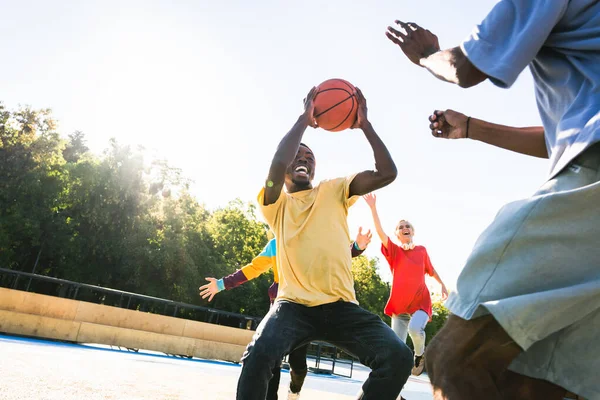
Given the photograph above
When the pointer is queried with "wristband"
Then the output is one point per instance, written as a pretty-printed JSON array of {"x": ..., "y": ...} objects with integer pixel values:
[
  {"x": 468, "y": 120},
  {"x": 356, "y": 246},
  {"x": 220, "y": 285}
]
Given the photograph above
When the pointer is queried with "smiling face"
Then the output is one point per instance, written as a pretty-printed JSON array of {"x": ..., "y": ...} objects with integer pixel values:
[
  {"x": 405, "y": 231},
  {"x": 301, "y": 171}
]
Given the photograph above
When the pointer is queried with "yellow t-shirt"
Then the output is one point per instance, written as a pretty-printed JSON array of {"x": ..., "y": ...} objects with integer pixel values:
[{"x": 311, "y": 228}]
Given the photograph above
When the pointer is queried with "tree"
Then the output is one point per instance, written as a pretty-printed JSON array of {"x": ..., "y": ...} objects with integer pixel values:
[
  {"x": 239, "y": 237},
  {"x": 108, "y": 208},
  {"x": 371, "y": 292},
  {"x": 181, "y": 252},
  {"x": 438, "y": 319},
  {"x": 32, "y": 185},
  {"x": 75, "y": 148}
]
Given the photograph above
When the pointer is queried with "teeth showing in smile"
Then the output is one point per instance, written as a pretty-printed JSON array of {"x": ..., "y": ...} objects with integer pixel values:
[{"x": 301, "y": 168}]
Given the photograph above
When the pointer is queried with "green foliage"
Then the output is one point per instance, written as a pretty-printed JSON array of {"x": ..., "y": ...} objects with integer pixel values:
[
  {"x": 76, "y": 147},
  {"x": 32, "y": 183},
  {"x": 116, "y": 220},
  {"x": 238, "y": 237},
  {"x": 371, "y": 292},
  {"x": 237, "y": 234},
  {"x": 438, "y": 319}
]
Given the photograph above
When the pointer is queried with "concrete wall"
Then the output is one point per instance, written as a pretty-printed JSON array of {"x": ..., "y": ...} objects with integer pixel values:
[{"x": 32, "y": 314}]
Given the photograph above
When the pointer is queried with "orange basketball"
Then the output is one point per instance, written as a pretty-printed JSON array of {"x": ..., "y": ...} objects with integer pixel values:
[{"x": 335, "y": 105}]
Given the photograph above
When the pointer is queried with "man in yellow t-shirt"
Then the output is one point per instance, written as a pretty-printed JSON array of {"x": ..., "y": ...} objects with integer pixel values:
[{"x": 316, "y": 299}]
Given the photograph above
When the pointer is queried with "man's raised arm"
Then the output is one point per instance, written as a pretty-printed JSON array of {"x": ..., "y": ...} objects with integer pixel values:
[
  {"x": 450, "y": 124},
  {"x": 423, "y": 49},
  {"x": 287, "y": 149},
  {"x": 385, "y": 170}
]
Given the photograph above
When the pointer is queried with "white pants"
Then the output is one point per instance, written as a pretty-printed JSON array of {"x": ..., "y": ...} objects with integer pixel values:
[{"x": 413, "y": 325}]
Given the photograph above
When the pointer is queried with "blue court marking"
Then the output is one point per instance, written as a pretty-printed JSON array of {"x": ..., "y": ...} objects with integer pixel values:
[{"x": 45, "y": 342}]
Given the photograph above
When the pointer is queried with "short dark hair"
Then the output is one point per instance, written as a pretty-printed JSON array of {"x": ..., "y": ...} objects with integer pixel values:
[{"x": 302, "y": 144}]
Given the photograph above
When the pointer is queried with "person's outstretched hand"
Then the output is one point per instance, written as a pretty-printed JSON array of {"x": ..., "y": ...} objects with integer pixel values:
[
  {"x": 370, "y": 199},
  {"x": 210, "y": 289},
  {"x": 415, "y": 42},
  {"x": 363, "y": 239}
]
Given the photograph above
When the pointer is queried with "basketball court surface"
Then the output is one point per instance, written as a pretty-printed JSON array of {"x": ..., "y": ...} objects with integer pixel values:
[{"x": 32, "y": 369}]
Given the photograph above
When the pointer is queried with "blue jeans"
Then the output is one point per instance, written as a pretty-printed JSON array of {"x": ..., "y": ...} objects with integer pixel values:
[{"x": 345, "y": 325}]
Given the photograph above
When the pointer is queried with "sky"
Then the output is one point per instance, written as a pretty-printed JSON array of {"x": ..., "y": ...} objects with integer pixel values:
[{"x": 212, "y": 87}]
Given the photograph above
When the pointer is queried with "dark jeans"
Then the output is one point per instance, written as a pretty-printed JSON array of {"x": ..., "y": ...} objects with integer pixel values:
[
  {"x": 298, "y": 371},
  {"x": 345, "y": 325}
]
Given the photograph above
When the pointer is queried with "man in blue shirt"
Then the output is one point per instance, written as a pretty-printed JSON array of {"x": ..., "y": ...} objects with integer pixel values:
[{"x": 527, "y": 309}]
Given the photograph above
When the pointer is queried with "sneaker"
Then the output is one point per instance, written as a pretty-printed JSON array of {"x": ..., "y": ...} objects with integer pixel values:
[
  {"x": 292, "y": 395},
  {"x": 419, "y": 365}
]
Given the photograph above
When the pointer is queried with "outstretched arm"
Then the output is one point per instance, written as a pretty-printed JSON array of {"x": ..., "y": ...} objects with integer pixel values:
[
  {"x": 287, "y": 149},
  {"x": 385, "y": 170},
  {"x": 454, "y": 67},
  {"x": 450, "y": 124},
  {"x": 371, "y": 200},
  {"x": 259, "y": 265},
  {"x": 423, "y": 49}
]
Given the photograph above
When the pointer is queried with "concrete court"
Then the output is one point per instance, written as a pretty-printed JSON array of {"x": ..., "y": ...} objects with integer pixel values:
[{"x": 32, "y": 369}]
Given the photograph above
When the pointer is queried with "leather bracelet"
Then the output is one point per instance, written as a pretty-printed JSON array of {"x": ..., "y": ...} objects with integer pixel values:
[{"x": 467, "y": 134}]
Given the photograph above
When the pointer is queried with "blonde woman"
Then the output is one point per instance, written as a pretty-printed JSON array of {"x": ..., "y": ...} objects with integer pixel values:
[{"x": 409, "y": 304}]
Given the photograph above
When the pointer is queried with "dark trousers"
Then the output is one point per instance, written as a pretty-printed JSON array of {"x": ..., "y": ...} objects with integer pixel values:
[
  {"x": 345, "y": 325},
  {"x": 298, "y": 371}
]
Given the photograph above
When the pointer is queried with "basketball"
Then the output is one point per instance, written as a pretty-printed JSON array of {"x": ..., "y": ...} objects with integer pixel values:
[{"x": 336, "y": 105}]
